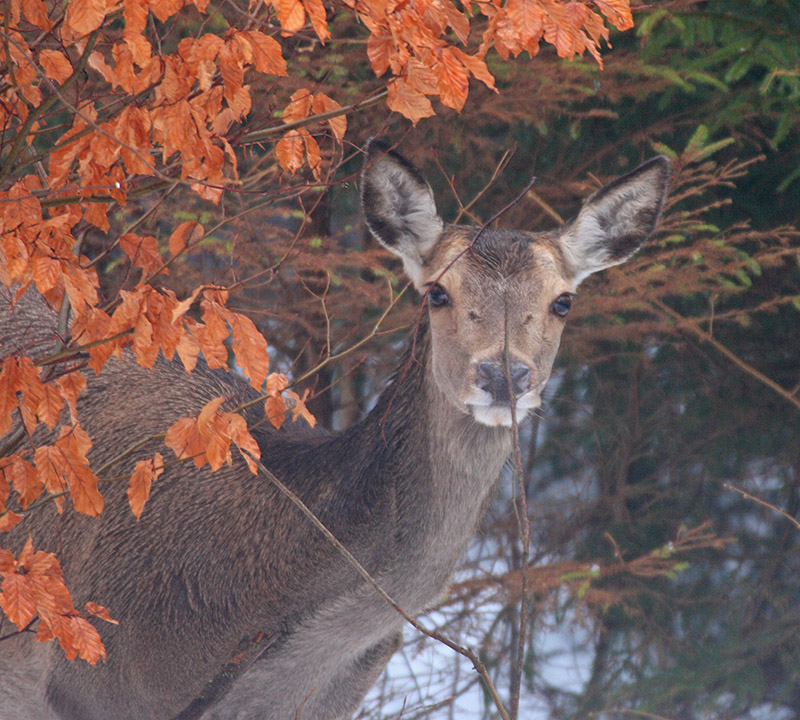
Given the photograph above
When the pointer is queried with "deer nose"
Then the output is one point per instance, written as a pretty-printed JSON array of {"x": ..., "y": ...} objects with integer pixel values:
[{"x": 491, "y": 377}]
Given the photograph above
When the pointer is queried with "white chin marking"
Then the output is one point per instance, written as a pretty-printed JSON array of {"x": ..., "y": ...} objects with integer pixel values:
[{"x": 496, "y": 415}]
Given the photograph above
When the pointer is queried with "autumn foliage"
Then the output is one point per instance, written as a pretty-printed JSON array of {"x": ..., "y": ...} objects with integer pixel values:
[{"x": 105, "y": 101}]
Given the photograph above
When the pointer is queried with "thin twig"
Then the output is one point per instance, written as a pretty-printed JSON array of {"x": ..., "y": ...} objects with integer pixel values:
[
  {"x": 268, "y": 133},
  {"x": 372, "y": 333},
  {"x": 498, "y": 169},
  {"x": 766, "y": 504},
  {"x": 523, "y": 531}
]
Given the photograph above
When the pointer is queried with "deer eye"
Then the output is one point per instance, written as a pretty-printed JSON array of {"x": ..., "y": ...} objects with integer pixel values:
[
  {"x": 561, "y": 305},
  {"x": 437, "y": 296}
]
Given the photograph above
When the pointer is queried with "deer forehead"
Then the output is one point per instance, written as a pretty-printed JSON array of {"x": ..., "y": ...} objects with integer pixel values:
[{"x": 511, "y": 268}]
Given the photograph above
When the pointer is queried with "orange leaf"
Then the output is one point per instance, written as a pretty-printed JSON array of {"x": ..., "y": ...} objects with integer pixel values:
[
  {"x": 96, "y": 214},
  {"x": 184, "y": 440},
  {"x": 9, "y": 384},
  {"x": 135, "y": 15},
  {"x": 26, "y": 554},
  {"x": 232, "y": 71},
  {"x": 7, "y": 562},
  {"x": 143, "y": 252},
  {"x": 144, "y": 346},
  {"x": 44, "y": 633},
  {"x": 65, "y": 463},
  {"x": 476, "y": 66},
  {"x": 99, "y": 611},
  {"x": 277, "y": 383},
  {"x": 52, "y": 597},
  {"x": 453, "y": 80},
  {"x": 22, "y": 475},
  {"x": 9, "y": 520},
  {"x": 208, "y": 438},
  {"x": 74, "y": 444},
  {"x": 98, "y": 62},
  {"x": 421, "y": 77},
  {"x": 407, "y": 101},
  {"x": 290, "y": 151},
  {"x": 380, "y": 48},
  {"x": 139, "y": 47},
  {"x": 14, "y": 257},
  {"x": 275, "y": 407},
  {"x": 55, "y": 65},
  {"x": 250, "y": 348},
  {"x": 214, "y": 350},
  {"x": 312, "y": 152},
  {"x": 618, "y": 12},
  {"x": 291, "y": 15},
  {"x": 267, "y": 56},
  {"x": 50, "y": 405},
  {"x": 209, "y": 410},
  {"x": 71, "y": 385},
  {"x": 36, "y": 12},
  {"x": 166, "y": 335},
  {"x": 560, "y": 32},
  {"x": 85, "y": 16},
  {"x": 299, "y": 106},
  {"x": 457, "y": 20},
  {"x": 321, "y": 103},
  {"x": 132, "y": 127},
  {"x": 316, "y": 13},
  {"x": 92, "y": 325},
  {"x": 183, "y": 306},
  {"x": 165, "y": 9},
  {"x": 144, "y": 475},
  {"x": 275, "y": 410},
  {"x": 47, "y": 272},
  {"x": 48, "y": 461},
  {"x": 527, "y": 20},
  {"x": 188, "y": 348},
  {"x": 215, "y": 331},
  {"x": 216, "y": 441},
  {"x": 187, "y": 233},
  {"x": 18, "y": 600},
  {"x": 83, "y": 640},
  {"x": 81, "y": 286},
  {"x": 299, "y": 408},
  {"x": 32, "y": 392},
  {"x": 238, "y": 432}
]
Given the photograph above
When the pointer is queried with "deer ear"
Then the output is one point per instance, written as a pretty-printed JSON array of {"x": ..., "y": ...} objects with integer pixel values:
[
  {"x": 398, "y": 206},
  {"x": 616, "y": 220}
]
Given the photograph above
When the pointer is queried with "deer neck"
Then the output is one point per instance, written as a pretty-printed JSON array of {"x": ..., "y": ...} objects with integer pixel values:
[{"x": 443, "y": 464}]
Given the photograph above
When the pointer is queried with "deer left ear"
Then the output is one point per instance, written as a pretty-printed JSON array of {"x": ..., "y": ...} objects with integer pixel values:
[
  {"x": 616, "y": 220},
  {"x": 398, "y": 206}
]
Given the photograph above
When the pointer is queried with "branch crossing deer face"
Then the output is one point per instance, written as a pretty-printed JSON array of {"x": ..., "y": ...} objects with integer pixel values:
[{"x": 498, "y": 299}]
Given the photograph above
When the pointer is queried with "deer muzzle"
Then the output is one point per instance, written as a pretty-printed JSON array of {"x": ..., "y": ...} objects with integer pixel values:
[{"x": 491, "y": 377}]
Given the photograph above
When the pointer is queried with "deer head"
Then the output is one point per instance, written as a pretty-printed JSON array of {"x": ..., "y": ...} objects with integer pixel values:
[{"x": 498, "y": 299}]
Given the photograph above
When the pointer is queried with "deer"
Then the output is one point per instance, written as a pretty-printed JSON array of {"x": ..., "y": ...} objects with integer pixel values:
[{"x": 230, "y": 603}]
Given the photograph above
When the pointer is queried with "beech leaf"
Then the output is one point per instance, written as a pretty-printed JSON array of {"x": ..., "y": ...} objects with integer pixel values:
[{"x": 55, "y": 65}]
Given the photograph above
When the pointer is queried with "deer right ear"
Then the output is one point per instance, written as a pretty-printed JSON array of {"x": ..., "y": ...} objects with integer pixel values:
[
  {"x": 399, "y": 208},
  {"x": 616, "y": 220}
]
